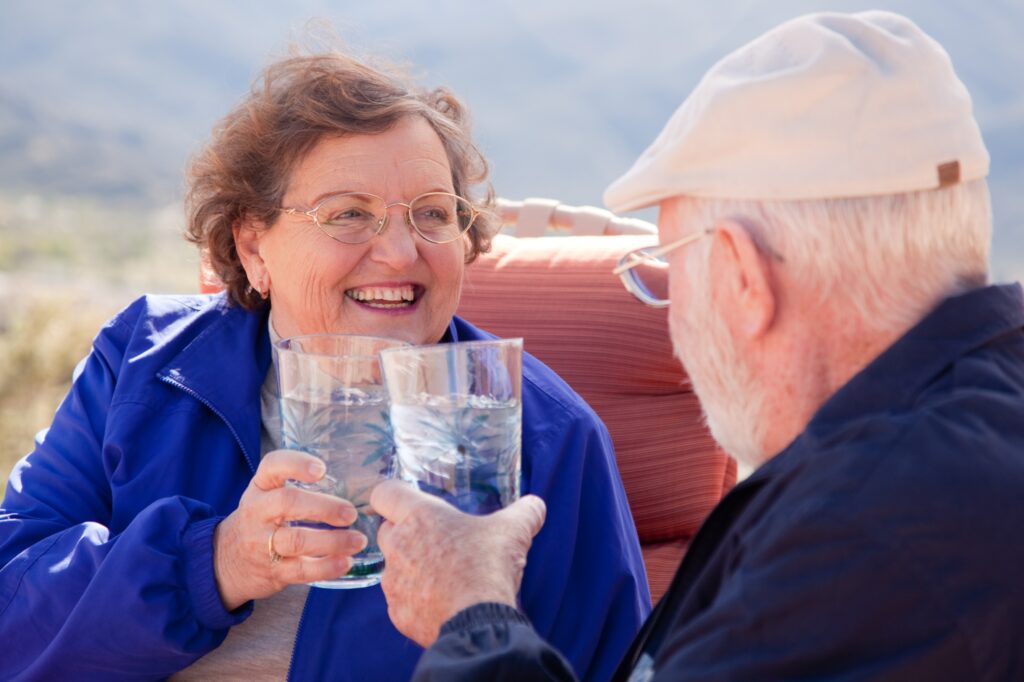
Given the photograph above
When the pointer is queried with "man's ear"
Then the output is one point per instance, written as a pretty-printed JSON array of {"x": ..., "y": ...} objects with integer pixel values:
[
  {"x": 741, "y": 275},
  {"x": 247, "y": 234}
]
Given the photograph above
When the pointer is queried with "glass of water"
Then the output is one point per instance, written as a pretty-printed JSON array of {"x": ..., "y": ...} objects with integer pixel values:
[
  {"x": 334, "y": 406},
  {"x": 456, "y": 413}
]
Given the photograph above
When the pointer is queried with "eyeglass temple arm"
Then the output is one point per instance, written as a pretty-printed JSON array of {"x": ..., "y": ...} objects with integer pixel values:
[{"x": 637, "y": 257}]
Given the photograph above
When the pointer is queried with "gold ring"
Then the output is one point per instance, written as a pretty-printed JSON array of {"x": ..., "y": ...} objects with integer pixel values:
[{"x": 274, "y": 556}]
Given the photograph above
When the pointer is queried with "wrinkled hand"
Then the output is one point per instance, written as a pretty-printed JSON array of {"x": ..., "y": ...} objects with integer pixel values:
[
  {"x": 242, "y": 559},
  {"x": 439, "y": 560}
]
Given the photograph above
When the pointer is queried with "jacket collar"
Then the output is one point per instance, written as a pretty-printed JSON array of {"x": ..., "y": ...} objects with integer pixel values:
[
  {"x": 957, "y": 326},
  {"x": 224, "y": 367},
  {"x": 894, "y": 380}
]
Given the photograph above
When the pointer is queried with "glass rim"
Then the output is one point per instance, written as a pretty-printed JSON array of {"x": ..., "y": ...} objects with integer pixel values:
[
  {"x": 516, "y": 341},
  {"x": 280, "y": 344}
]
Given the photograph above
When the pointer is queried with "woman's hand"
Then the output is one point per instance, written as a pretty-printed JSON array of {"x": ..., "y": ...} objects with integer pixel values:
[{"x": 257, "y": 554}]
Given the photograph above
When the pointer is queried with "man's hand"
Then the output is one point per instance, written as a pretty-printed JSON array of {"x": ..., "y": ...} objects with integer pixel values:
[{"x": 439, "y": 560}]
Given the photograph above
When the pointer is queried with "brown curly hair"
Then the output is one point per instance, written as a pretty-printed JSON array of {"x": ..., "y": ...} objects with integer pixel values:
[{"x": 244, "y": 170}]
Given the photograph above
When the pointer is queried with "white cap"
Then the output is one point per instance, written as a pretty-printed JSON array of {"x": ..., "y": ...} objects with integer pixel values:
[{"x": 825, "y": 105}]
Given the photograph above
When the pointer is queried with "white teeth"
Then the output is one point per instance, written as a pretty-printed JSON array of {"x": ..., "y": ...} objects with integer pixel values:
[{"x": 378, "y": 294}]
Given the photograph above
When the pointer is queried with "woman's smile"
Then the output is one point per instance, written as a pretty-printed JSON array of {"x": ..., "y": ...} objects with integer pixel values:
[{"x": 389, "y": 298}]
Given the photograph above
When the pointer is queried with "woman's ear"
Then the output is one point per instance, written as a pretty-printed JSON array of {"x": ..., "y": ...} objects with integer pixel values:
[
  {"x": 744, "y": 280},
  {"x": 247, "y": 234}
]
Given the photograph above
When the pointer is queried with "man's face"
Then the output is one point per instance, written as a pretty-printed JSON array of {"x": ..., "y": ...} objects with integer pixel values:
[{"x": 733, "y": 404}]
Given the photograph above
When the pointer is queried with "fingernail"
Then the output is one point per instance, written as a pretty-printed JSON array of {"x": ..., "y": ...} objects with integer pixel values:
[
  {"x": 318, "y": 469},
  {"x": 363, "y": 542}
]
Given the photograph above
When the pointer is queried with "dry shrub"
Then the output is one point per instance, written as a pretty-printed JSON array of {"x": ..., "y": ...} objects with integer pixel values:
[{"x": 41, "y": 341}]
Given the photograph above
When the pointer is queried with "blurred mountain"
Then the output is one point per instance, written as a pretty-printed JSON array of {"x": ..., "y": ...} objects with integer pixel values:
[{"x": 109, "y": 98}]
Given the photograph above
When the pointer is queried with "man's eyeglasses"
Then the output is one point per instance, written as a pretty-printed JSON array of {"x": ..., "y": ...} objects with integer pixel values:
[
  {"x": 357, "y": 217},
  {"x": 644, "y": 272}
]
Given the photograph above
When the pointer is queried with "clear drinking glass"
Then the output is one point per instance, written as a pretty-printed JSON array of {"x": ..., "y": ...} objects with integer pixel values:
[
  {"x": 334, "y": 406},
  {"x": 456, "y": 413}
]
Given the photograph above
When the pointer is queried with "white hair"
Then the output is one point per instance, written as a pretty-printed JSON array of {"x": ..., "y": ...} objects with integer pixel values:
[
  {"x": 891, "y": 257},
  {"x": 732, "y": 400}
]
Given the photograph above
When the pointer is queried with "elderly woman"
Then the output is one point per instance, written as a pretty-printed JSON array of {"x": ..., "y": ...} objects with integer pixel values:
[{"x": 134, "y": 538}]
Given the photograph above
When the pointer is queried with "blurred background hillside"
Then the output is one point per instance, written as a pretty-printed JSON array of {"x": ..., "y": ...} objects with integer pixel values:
[{"x": 102, "y": 103}]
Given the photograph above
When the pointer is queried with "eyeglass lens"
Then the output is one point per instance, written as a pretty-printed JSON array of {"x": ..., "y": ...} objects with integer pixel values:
[
  {"x": 356, "y": 218},
  {"x": 651, "y": 277}
]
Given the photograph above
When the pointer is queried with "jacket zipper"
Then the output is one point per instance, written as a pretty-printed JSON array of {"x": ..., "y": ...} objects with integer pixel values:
[
  {"x": 305, "y": 606},
  {"x": 168, "y": 380},
  {"x": 298, "y": 632}
]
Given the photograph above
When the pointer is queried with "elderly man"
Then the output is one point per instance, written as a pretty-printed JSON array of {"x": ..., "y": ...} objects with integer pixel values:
[{"x": 825, "y": 222}]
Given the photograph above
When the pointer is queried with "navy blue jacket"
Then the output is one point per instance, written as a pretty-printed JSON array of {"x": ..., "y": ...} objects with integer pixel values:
[
  {"x": 884, "y": 543},
  {"x": 106, "y": 554}
]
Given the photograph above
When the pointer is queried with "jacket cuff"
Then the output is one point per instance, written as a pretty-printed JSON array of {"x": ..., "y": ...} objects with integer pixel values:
[
  {"x": 202, "y": 582},
  {"x": 483, "y": 615}
]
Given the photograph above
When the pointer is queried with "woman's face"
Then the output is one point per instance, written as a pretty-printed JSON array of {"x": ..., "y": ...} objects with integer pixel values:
[{"x": 320, "y": 285}]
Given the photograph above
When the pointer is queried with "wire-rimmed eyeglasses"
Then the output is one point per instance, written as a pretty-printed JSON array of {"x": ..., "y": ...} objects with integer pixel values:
[
  {"x": 357, "y": 217},
  {"x": 644, "y": 272}
]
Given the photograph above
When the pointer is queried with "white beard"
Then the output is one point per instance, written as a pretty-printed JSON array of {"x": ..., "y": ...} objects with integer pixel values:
[{"x": 732, "y": 402}]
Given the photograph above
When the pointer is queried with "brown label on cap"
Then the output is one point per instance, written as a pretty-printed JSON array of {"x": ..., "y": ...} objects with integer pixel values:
[{"x": 949, "y": 173}]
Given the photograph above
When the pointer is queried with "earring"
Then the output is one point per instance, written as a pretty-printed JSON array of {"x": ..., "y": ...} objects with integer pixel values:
[{"x": 259, "y": 289}]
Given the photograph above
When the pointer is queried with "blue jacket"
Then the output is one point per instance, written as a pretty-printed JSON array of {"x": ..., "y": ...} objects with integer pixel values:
[
  {"x": 884, "y": 543},
  {"x": 106, "y": 529}
]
